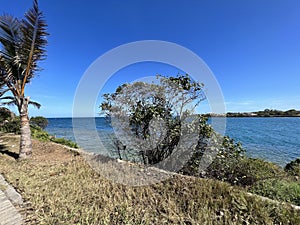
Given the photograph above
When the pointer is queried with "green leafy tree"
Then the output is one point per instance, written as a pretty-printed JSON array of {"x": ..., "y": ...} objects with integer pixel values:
[
  {"x": 5, "y": 115},
  {"x": 22, "y": 47},
  {"x": 293, "y": 167},
  {"x": 39, "y": 121},
  {"x": 151, "y": 117},
  {"x": 155, "y": 123}
]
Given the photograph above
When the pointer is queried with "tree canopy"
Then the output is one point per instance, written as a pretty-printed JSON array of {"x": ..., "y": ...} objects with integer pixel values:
[{"x": 148, "y": 117}]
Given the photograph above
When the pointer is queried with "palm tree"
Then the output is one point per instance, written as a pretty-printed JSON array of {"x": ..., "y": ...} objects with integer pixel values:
[
  {"x": 23, "y": 46},
  {"x": 12, "y": 101},
  {"x": 2, "y": 91}
]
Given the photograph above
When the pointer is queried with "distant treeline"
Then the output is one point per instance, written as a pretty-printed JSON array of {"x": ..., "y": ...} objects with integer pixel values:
[{"x": 266, "y": 113}]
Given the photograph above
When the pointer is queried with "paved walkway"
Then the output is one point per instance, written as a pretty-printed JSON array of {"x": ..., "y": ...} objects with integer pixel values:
[{"x": 9, "y": 215}]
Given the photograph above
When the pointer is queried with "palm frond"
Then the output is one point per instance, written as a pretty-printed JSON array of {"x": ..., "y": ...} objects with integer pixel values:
[
  {"x": 10, "y": 38},
  {"x": 8, "y": 98},
  {"x": 9, "y": 35},
  {"x": 2, "y": 84},
  {"x": 35, "y": 104},
  {"x": 34, "y": 41},
  {"x": 10, "y": 103},
  {"x": 22, "y": 46},
  {"x": 13, "y": 101}
]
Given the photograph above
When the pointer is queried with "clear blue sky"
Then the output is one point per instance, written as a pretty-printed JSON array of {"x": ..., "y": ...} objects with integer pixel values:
[{"x": 252, "y": 46}]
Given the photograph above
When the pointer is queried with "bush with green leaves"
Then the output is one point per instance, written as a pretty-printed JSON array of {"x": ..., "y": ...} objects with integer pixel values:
[
  {"x": 39, "y": 121},
  {"x": 227, "y": 155},
  {"x": 161, "y": 119},
  {"x": 64, "y": 141},
  {"x": 9, "y": 123},
  {"x": 11, "y": 126},
  {"x": 278, "y": 189},
  {"x": 149, "y": 117},
  {"x": 293, "y": 167},
  {"x": 6, "y": 115},
  {"x": 39, "y": 134},
  {"x": 244, "y": 171}
]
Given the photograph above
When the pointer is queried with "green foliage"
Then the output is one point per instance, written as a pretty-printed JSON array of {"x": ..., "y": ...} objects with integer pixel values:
[
  {"x": 246, "y": 171},
  {"x": 39, "y": 134},
  {"x": 229, "y": 155},
  {"x": 266, "y": 113},
  {"x": 259, "y": 177},
  {"x": 206, "y": 136},
  {"x": 39, "y": 121},
  {"x": 5, "y": 115},
  {"x": 64, "y": 141},
  {"x": 283, "y": 186},
  {"x": 9, "y": 123},
  {"x": 293, "y": 168},
  {"x": 23, "y": 43},
  {"x": 153, "y": 114},
  {"x": 278, "y": 189},
  {"x": 148, "y": 107},
  {"x": 170, "y": 103},
  {"x": 12, "y": 126}
]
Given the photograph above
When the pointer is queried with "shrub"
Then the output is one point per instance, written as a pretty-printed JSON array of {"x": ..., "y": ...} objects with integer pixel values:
[
  {"x": 222, "y": 156},
  {"x": 64, "y": 141},
  {"x": 11, "y": 126},
  {"x": 39, "y": 121},
  {"x": 153, "y": 115},
  {"x": 293, "y": 168},
  {"x": 278, "y": 189},
  {"x": 39, "y": 134},
  {"x": 6, "y": 115},
  {"x": 223, "y": 167},
  {"x": 243, "y": 171},
  {"x": 9, "y": 123}
]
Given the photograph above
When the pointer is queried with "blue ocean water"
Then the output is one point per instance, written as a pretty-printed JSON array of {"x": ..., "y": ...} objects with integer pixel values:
[{"x": 273, "y": 139}]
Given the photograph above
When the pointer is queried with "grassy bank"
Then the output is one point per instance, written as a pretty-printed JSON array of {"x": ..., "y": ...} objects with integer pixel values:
[{"x": 59, "y": 187}]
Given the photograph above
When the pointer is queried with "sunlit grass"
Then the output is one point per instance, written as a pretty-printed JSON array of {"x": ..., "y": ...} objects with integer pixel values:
[{"x": 61, "y": 188}]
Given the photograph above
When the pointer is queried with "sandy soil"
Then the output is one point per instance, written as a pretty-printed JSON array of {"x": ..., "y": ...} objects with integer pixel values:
[{"x": 41, "y": 151}]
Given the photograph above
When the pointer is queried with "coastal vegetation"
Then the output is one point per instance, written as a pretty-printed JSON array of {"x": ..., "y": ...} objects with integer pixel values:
[
  {"x": 266, "y": 113},
  {"x": 157, "y": 120},
  {"x": 59, "y": 187},
  {"x": 293, "y": 167},
  {"x": 153, "y": 115},
  {"x": 39, "y": 121},
  {"x": 230, "y": 164},
  {"x": 166, "y": 108},
  {"x": 41, "y": 135},
  {"x": 23, "y": 44},
  {"x": 10, "y": 123}
]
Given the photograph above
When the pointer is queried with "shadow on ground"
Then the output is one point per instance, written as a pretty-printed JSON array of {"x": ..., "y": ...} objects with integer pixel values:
[{"x": 4, "y": 151}]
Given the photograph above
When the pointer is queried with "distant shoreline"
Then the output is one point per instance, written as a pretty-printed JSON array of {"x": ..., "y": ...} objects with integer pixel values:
[{"x": 264, "y": 114}]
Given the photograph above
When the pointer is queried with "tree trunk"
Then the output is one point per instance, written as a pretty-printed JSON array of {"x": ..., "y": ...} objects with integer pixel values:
[{"x": 25, "y": 142}]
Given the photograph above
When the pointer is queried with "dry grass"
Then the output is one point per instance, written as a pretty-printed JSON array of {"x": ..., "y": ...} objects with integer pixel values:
[{"x": 59, "y": 187}]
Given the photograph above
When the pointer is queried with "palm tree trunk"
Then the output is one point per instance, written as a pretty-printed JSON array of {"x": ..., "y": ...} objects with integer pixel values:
[{"x": 25, "y": 142}]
